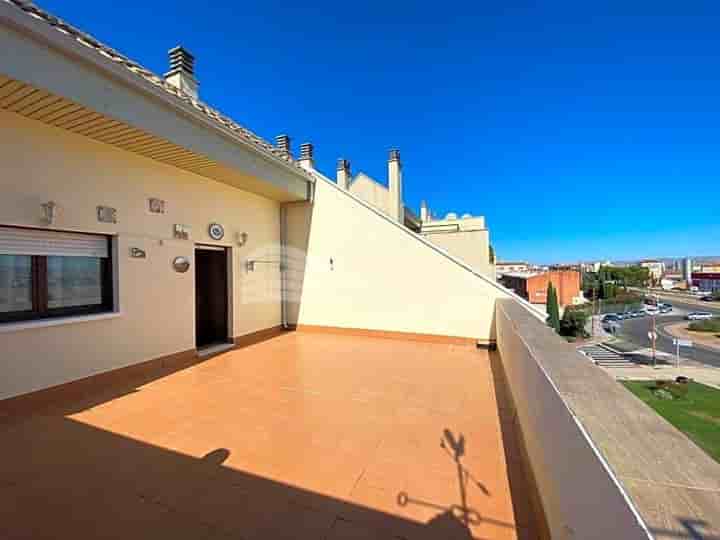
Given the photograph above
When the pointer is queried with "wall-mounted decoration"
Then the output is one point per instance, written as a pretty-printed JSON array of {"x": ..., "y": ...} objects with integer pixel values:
[
  {"x": 181, "y": 264},
  {"x": 216, "y": 231},
  {"x": 106, "y": 214},
  {"x": 50, "y": 211},
  {"x": 181, "y": 232},
  {"x": 137, "y": 253},
  {"x": 241, "y": 238},
  {"x": 156, "y": 206}
]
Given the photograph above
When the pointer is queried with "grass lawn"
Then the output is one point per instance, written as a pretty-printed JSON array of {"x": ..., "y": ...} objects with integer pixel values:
[{"x": 697, "y": 414}]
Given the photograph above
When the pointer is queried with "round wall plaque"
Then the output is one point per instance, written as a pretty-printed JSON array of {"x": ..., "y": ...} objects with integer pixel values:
[
  {"x": 216, "y": 231},
  {"x": 181, "y": 264}
]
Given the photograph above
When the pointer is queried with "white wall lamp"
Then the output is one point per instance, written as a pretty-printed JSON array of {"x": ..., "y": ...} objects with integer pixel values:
[
  {"x": 241, "y": 238},
  {"x": 51, "y": 211}
]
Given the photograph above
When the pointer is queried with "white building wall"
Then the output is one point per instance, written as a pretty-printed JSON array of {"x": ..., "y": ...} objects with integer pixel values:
[
  {"x": 371, "y": 192},
  {"x": 373, "y": 273},
  {"x": 157, "y": 318}
]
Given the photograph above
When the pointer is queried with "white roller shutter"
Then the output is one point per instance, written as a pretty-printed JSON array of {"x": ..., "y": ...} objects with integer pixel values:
[{"x": 15, "y": 241}]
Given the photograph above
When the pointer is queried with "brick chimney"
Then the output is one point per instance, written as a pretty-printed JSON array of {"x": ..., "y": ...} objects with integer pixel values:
[
  {"x": 343, "y": 173},
  {"x": 306, "y": 156},
  {"x": 282, "y": 142},
  {"x": 396, "y": 208},
  {"x": 182, "y": 71}
]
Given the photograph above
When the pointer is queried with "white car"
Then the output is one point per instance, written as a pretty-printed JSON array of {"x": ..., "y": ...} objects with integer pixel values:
[{"x": 698, "y": 316}]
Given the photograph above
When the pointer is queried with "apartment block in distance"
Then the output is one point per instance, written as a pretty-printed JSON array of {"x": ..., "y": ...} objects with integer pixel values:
[
  {"x": 506, "y": 267},
  {"x": 204, "y": 336},
  {"x": 533, "y": 285}
]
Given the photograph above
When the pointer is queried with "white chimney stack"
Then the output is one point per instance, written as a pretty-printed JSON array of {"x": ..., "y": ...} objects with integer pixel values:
[
  {"x": 282, "y": 142},
  {"x": 306, "y": 160},
  {"x": 424, "y": 212},
  {"x": 396, "y": 208},
  {"x": 343, "y": 173},
  {"x": 182, "y": 71}
]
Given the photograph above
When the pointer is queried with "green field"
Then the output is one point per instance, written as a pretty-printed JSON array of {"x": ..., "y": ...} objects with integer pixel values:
[{"x": 697, "y": 414}]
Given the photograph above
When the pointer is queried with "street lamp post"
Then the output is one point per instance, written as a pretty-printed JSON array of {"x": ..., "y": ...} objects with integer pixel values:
[{"x": 654, "y": 330}]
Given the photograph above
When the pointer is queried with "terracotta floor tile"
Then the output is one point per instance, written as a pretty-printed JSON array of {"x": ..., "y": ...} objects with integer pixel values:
[{"x": 301, "y": 436}]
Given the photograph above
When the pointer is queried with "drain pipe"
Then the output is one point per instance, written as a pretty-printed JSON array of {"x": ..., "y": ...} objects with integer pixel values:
[{"x": 309, "y": 199}]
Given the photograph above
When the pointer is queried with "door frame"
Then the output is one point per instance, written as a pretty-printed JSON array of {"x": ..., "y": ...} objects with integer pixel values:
[{"x": 229, "y": 337}]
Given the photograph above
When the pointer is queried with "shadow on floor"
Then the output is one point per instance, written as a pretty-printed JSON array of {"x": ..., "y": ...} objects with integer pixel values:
[{"x": 60, "y": 478}]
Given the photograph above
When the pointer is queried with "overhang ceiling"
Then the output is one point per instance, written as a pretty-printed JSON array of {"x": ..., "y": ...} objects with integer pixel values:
[{"x": 31, "y": 102}]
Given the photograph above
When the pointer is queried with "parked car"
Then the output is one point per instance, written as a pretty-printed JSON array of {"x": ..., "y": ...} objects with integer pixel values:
[
  {"x": 638, "y": 313},
  {"x": 652, "y": 310},
  {"x": 707, "y": 298},
  {"x": 698, "y": 315},
  {"x": 611, "y": 317},
  {"x": 666, "y": 308}
]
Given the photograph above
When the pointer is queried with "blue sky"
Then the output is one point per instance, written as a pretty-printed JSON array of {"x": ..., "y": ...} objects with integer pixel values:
[{"x": 581, "y": 131}]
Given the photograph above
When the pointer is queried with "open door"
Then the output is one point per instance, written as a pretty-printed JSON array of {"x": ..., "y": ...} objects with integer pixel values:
[{"x": 211, "y": 296}]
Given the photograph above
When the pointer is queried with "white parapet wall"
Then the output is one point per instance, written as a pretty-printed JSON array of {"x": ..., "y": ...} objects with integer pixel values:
[{"x": 604, "y": 463}]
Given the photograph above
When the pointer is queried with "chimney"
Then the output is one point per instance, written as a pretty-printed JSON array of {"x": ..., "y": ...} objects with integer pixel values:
[
  {"x": 282, "y": 142},
  {"x": 306, "y": 156},
  {"x": 396, "y": 207},
  {"x": 182, "y": 71},
  {"x": 424, "y": 214},
  {"x": 343, "y": 173}
]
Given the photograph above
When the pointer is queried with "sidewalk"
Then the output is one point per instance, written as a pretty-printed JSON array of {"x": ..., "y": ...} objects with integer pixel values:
[{"x": 706, "y": 375}]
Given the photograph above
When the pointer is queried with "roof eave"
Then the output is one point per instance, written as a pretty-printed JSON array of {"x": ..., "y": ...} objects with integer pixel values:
[{"x": 68, "y": 46}]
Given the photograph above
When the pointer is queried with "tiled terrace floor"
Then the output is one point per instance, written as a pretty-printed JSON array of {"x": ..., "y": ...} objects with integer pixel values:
[{"x": 302, "y": 436}]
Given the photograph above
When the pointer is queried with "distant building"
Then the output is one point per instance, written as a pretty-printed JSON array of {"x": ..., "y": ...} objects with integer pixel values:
[
  {"x": 706, "y": 281},
  {"x": 507, "y": 267},
  {"x": 533, "y": 285},
  {"x": 655, "y": 267},
  {"x": 465, "y": 237},
  {"x": 711, "y": 267},
  {"x": 687, "y": 268},
  {"x": 594, "y": 266}
]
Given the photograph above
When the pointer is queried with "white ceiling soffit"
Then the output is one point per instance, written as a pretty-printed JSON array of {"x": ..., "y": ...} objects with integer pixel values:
[{"x": 49, "y": 76}]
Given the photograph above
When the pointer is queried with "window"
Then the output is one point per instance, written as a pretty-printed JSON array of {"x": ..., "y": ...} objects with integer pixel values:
[{"x": 53, "y": 274}]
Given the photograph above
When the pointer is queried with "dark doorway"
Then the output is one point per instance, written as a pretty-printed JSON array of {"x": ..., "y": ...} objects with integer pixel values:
[{"x": 211, "y": 296}]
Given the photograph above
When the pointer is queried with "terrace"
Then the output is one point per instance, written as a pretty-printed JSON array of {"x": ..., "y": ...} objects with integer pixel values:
[{"x": 304, "y": 435}]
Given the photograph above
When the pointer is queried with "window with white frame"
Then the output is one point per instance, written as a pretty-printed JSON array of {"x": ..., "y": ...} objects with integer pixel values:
[{"x": 47, "y": 274}]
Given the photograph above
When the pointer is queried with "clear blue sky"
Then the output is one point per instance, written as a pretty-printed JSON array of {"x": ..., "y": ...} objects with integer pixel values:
[{"x": 580, "y": 130}]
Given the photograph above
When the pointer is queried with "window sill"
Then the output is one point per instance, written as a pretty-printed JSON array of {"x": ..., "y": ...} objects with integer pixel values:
[{"x": 44, "y": 323}]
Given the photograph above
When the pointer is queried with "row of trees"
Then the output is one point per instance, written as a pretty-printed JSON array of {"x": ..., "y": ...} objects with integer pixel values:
[{"x": 611, "y": 281}]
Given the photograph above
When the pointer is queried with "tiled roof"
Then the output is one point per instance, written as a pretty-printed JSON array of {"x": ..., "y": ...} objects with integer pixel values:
[{"x": 112, "y": 55}]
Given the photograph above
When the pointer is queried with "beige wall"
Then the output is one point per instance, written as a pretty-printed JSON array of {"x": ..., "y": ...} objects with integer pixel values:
[
  {"x": 472, "y": 247},
  {"x": 41, "y": 163},
  {"x": 383, "y": 276},
  {"x": 371, "y": 192}
]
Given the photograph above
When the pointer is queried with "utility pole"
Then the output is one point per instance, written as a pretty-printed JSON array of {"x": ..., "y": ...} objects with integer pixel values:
[{"x": 654, "y": 330}]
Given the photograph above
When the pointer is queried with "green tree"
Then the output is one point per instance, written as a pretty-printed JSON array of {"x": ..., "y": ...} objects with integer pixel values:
[
  {"x": 574, "y": 320},
  {"x": 553, "y": 311}
]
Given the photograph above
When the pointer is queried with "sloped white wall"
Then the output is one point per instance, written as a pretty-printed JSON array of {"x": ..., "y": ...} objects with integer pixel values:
[{"x": 382, "y": 276}]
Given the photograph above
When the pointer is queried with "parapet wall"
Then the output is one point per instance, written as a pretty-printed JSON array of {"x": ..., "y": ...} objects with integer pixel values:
[{"x": 606, "y": 465}]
